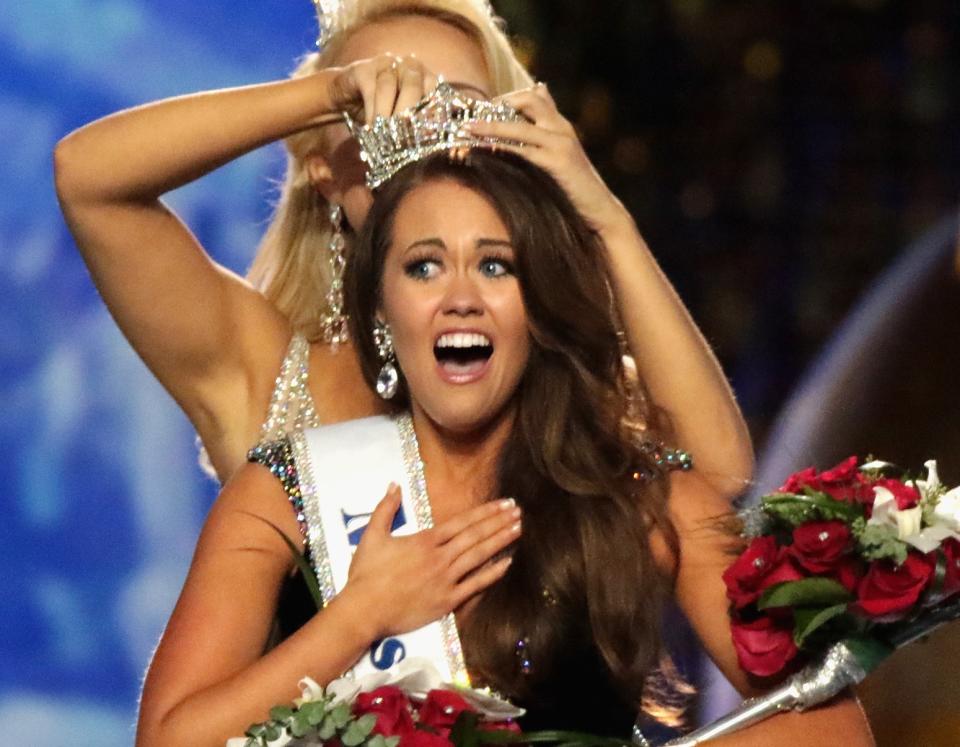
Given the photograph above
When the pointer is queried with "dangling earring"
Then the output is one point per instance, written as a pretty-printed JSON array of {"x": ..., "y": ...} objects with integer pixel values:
[
  {"x": 335, "y": 322},
  {"x": 388, "y": 378}
]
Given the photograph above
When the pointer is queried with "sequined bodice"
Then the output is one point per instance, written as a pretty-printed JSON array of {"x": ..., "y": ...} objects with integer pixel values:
[{"x": 291, "y": 405}]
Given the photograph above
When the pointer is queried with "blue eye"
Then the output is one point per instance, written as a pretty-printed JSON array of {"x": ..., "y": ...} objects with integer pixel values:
[
  {"x": 495, "y": 268},
  {"x": 422, "y": 269}
]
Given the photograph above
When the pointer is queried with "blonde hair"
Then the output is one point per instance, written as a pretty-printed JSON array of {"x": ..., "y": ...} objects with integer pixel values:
[{"x": 291, "y": 267}]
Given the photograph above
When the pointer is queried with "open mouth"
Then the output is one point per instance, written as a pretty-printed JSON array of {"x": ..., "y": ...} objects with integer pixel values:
[{"x": 462, "y": 354}]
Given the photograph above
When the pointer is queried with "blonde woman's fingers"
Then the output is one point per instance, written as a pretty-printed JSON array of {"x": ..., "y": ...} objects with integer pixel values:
[{"x": 412, "y": 80}]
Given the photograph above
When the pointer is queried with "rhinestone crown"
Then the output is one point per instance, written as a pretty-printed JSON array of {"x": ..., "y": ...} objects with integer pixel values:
[{"x": 432, "y": 126}]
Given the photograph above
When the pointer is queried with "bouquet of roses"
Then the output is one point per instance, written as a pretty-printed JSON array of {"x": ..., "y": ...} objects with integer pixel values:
[
  {"x": 842, "y": 567},
  {"x": 846, "y": 554},
  {"x": 408, "y": 705}
]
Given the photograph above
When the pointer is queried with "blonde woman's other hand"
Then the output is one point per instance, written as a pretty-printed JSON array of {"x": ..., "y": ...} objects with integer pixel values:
[{"x": 550, "y": 141}]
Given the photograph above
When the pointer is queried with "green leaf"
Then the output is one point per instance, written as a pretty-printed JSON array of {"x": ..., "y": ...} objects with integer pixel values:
[
  {"x": 878, "y": 542},
  {"x": 299, "y": 725},
  {"x": 358, "y": 730},
  {"x": 464, "y": 731},
  {"x": 392, "y": 741},
  {"x": 807, "y": 592},
  {"x": 796, "y": 509},
  {"x": 314, "y": 711},
  {"x": 869, "y": 652},
  {"x": 281, "y": 713},
  {"x": 341, "y": 715},
  {"x": 327, "y": 728},
  {"x": 256, "y": 730},
  {"x": 806, "y": 621},
  {"x": 377, "y": 740},
  {"x": 551, "y": 737},
  {"x": 309, "y": 577},
  {"x": 273, "y": 732}
]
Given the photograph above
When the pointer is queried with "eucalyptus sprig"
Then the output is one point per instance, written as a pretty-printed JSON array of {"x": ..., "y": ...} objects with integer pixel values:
[{"x": 320, "y": 720}]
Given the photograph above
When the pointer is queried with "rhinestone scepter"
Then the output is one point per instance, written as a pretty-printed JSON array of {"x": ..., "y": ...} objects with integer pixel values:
[{"x": 432, "y": 126}]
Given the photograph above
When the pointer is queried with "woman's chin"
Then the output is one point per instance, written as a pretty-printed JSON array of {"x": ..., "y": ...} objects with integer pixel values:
[{"x": 466, "y": 421}]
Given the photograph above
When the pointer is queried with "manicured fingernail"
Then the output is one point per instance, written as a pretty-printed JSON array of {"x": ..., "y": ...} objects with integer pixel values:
[
  {"x": 516, "y": 512},
  {"x": 507, "y": 503},
  {"x": 515, "y": 528}
]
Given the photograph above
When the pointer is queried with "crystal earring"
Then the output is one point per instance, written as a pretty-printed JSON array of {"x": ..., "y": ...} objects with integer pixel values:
[
  {"x": 388, "y": 378},
  {"x": 335, "y": 322}
]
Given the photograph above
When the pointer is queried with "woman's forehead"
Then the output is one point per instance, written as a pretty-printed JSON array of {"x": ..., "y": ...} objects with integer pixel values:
[{"x": 442, "y": 48}]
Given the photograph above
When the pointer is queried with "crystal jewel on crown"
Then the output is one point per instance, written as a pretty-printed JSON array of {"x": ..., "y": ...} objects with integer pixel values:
[{"x": 434, "y": 125}]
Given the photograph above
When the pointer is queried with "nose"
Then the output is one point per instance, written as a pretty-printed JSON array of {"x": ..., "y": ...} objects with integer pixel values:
[{"x": 462, "y": 297}]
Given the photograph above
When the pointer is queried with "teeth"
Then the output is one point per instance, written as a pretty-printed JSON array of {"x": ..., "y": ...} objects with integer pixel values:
[{"x": 463, "y": 340}]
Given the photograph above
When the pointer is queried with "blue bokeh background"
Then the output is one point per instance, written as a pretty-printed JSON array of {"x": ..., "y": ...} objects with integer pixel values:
[
  {"x": 101, "y": 497},
  {"x": 778, "y": 156}
]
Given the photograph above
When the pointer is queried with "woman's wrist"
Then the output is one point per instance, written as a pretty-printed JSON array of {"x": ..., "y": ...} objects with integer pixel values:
[
  {"x": 618, "y": 231},
  {"x": 363, "y": 612}
]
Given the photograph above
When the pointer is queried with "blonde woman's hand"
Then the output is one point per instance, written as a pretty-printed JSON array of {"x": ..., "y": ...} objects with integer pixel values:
[
  {"x": 549, "y": 141},
  {"x": 403, "y": 583},
  {"x": 380, "y": 86}
]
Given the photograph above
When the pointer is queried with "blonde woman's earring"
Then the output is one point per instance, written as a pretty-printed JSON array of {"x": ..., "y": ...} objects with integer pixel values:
[{"x": 335, "y": 322}]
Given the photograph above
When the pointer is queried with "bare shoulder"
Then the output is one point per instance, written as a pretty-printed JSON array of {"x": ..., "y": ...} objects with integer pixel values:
[
  {"x": 337, "y": 385},
  {"x": 253, "y": 504}
]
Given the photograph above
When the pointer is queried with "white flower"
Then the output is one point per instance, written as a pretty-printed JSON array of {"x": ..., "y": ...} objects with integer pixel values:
[
  {"x": 947, "y": 510},
  {"x": 931, "y": 485},
  {"x": 908, "y": 522}
]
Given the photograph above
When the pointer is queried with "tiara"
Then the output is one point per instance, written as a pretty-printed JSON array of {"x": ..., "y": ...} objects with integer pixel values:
[
  {"x": 433, "y": 125},
  {"x": 330, "y": 17}
]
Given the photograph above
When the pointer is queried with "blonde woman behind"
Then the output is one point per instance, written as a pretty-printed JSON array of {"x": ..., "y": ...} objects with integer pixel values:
[{"x": 217, "y": 342}]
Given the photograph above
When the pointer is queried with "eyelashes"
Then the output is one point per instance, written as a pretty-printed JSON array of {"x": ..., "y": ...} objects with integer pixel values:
[{"x": 428, "y": 266}]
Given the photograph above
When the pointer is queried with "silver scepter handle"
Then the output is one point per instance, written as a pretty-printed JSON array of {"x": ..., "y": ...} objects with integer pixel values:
[{"x": 811, "y": 686}]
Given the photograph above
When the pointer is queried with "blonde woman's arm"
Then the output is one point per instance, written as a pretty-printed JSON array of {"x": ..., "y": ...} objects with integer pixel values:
[
  {"x": 672, "y": 356},
  {"x": 213, "y": 341},
  {"x": 209, "y": 678},
  {"x": 697, "y": 510}
]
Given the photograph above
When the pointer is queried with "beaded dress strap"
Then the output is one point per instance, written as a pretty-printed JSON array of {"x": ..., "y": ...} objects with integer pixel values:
[
  {"x": 291, "y": 406},
  {"x": 277, "y": 456}
]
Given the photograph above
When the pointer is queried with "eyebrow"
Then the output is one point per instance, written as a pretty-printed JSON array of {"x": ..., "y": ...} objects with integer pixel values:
[{"x": 438, "y": 243}]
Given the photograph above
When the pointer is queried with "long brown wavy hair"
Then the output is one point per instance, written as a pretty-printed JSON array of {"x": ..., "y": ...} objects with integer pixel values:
[{"x": 583, "y": 576}]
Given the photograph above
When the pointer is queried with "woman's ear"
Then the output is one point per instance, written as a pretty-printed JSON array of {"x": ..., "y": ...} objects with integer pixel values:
[{"x": 321, "y": 177}]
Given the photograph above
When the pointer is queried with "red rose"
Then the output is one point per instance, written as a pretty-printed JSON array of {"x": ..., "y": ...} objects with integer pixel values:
[
  {"x": 391, "y": 707},
  {"x": 848, "y": 572},
  {"x": 843, "y": 482},
  {"x": 763, "y": 647},
  {"x": 760, "y": 566},
  {"x": 799, "y": 480},
  {"x": 951, "y": 580},
  {"x": 441, "y": 709},
  {"x": 420, "y": 738},
  {"x": 511, "y": 726},
  {"x": 907, "y": 497},
  {"x": 888, "y": 589},
  {"x": 819, "y": 545}
]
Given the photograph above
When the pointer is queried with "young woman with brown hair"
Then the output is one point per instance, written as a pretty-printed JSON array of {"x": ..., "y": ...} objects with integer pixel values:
[{"x": 480, "y": 280}]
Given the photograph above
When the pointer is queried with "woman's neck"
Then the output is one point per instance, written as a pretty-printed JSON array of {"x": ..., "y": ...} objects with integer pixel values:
[{"x": 460, "y": 468}]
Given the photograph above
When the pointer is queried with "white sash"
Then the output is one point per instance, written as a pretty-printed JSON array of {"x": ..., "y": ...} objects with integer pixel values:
[{"x": 344, "y": 471}]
